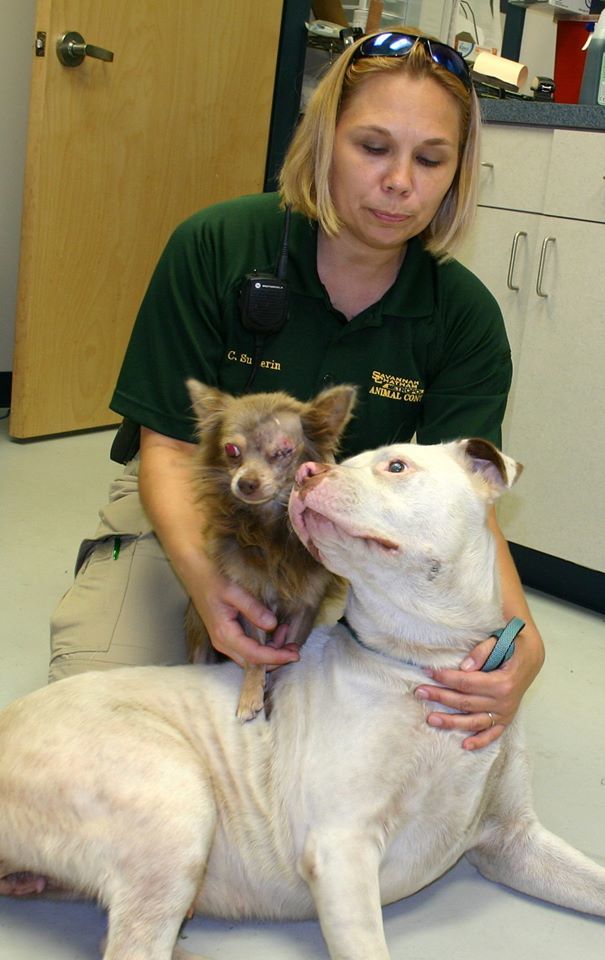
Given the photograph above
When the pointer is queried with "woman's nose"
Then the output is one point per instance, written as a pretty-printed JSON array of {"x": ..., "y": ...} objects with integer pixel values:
[{"x": 398, "y": 178}]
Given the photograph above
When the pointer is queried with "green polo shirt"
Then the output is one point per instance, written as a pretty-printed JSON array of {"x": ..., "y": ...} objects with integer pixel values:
[{"x": 431, "y": 358}]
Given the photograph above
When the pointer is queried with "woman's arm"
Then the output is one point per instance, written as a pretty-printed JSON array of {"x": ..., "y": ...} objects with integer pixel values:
[
  {"x": 475, "y": 694},
  {"x": 167, "y": 494}
]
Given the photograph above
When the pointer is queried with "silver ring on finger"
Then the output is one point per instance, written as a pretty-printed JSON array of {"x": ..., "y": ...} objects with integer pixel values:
[{"x": 491, "y": 718}]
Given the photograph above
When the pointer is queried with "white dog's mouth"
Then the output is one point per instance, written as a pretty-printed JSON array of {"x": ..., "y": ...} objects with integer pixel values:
[{"x": 316, "y": 530}]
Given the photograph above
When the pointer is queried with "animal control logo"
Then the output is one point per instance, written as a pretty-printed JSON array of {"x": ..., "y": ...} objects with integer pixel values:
[{"x": 396, "y": 388}]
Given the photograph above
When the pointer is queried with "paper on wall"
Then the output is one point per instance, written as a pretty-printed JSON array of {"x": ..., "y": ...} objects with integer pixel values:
[{"x": 475, "y": 27}]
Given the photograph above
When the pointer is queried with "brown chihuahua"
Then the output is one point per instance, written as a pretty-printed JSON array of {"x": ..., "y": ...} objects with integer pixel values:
[{"x": 250, "y": 448}]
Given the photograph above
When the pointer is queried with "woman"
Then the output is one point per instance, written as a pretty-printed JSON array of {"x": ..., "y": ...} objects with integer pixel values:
[{"x": 380, "y": 178}]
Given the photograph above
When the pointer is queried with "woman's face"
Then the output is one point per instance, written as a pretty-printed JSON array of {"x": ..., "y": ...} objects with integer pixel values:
[{"x": 395, "y": 155}]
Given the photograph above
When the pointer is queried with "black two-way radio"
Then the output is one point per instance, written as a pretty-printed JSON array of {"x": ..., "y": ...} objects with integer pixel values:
[
  {"x": 264, "y": 302},
  {"x": 264, "y": 296},
  {"x": 264, "y": 310}
]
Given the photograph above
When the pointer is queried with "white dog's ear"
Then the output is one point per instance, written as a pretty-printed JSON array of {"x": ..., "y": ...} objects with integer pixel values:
[{"x": 497, "y": 470}]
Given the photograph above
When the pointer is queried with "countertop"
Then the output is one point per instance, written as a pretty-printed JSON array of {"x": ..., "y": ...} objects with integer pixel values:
[{"x": 578, "y": 116}]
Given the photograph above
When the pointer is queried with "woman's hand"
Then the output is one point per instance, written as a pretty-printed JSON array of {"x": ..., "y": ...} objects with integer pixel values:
[
  {"x": 486, "y": 702},
  {"x": 220, "y": 603}
]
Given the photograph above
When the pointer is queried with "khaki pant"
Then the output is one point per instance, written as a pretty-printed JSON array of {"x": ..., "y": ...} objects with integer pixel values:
[{"x": 126, "y": 606}]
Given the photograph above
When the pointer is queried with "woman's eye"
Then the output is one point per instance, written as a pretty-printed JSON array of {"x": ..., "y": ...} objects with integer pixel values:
[
  {"x": 232, "y": 450},
  {"x": 428, "y": 162},
  {"x": 374, "y": 149},
  {"x": 397, "y": 466}
]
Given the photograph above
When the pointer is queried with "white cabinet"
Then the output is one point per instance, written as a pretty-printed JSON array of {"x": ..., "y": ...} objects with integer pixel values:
[
  {"x": 576, "y": 176},
  {"x": 500, "y": 250},
  {"x": 540, "y": 252},
  {"x": 514, "y": 161}
]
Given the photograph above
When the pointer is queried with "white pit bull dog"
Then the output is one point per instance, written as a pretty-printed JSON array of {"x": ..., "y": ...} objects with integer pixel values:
[{"x": 140, "y": 788}]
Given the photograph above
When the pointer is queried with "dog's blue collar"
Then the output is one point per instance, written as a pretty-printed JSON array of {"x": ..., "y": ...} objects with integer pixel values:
[
  {"x": 505, "y": 644},
  {"x": 503, "y": 648},
  {"x": 345, "y": 623}
]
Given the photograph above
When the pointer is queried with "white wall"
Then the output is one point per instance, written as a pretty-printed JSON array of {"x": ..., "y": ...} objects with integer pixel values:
[{"x": 17, "y": 18}]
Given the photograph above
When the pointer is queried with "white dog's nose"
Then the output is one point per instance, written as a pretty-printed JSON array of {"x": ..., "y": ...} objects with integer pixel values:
[{"x": 309, "y": 470}]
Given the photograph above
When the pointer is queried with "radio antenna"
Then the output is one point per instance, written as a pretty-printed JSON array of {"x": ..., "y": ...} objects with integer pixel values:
[{"x": 282, "y": 263}]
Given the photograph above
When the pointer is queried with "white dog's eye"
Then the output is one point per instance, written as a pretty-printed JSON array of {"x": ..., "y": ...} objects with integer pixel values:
[
  {"x": 397, "y": 466},
  {"x": 232, "y": 450}
]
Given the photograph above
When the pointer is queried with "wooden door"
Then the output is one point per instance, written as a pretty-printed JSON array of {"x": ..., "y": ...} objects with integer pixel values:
[{"x": 118, "y": 153}]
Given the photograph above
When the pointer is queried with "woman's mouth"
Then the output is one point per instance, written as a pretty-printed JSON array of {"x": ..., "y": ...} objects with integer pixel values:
[{"x": 385, "y": 217}]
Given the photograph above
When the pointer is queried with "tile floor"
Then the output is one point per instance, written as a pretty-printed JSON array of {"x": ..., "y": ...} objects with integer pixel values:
[{"x": 49, "y": 494}]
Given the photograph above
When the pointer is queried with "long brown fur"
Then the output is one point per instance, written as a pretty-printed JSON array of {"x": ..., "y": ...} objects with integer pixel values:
[{"x": 250, "y": 540}]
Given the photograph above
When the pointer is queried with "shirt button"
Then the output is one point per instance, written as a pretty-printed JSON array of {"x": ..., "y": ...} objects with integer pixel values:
[{"x": 328, "y": 380}]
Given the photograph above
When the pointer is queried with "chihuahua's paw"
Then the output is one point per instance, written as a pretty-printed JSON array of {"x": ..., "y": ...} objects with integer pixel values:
[
  {"x": 252, "y": 693},
  {"x": 249, "y": 707}
]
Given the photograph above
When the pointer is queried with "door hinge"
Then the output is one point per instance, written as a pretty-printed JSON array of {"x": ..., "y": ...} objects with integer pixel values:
[{"x": 40, "y": 43}]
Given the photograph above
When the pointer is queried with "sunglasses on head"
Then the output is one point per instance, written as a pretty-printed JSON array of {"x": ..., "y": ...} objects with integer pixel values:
[{"x": 396, "y": 44}]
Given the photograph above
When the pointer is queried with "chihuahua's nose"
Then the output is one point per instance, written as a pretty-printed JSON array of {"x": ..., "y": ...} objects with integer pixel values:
[
  {"x": 311, "y": 472},
  {"x": 248, "y": 485}
]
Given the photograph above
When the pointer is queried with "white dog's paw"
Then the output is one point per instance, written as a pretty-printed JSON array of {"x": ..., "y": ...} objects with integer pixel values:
[
  {"x": 180, "y": 954},
  {"x": 177, "y": 954}
]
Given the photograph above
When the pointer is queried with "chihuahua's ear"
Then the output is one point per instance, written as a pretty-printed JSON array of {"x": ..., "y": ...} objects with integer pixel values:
[
  {"x": 325, "y": 418},
  {"x": 208, "y": 402},
  {"x": 497, "y": 471}
]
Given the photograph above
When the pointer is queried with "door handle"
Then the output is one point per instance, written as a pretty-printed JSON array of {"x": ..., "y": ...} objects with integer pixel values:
[
  {"x": 513, "y": 257},
  {"x": 72, "y": 49},
  {"x": 545, "y": 243}
]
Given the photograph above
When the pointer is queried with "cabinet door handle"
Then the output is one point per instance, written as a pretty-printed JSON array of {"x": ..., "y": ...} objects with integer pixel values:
[
  {"x": 513, "y": 257},
  {"x": 545, "y": 243}
]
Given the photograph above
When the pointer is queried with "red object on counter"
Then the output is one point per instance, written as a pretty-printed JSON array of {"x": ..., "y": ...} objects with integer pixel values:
[{"x": 569, "y": 60}]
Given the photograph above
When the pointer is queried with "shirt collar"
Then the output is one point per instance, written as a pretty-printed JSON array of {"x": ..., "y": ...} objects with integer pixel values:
[{"x": 411, "y": 295}]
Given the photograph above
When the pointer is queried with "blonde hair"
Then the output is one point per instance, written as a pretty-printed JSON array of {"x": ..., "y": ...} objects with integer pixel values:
[{"x": 305, "y": 175}]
